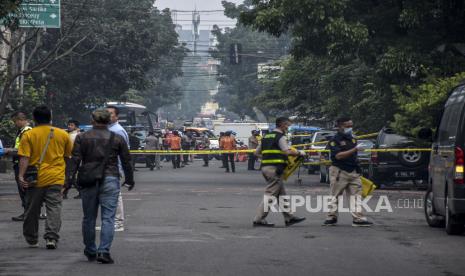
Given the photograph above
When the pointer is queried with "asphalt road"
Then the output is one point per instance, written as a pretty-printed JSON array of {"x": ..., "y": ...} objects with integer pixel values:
[{"x": 198, "y": 221}]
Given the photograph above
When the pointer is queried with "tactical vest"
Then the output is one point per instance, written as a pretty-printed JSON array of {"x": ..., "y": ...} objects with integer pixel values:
[
  {"x": 18, "y": 141},
  {"x": 271, "y": 152},
  {"x": 20, "y": 134}
]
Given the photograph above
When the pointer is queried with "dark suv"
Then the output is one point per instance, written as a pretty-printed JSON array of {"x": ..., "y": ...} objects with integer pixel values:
[
  {"x": 445, "y": 197},
  {"x": 388, "y": 167}
]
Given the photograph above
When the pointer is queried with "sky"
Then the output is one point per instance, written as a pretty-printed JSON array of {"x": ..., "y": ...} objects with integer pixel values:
[{"x": 208, "y": 19}]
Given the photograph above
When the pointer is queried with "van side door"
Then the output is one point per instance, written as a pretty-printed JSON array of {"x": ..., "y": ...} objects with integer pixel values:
[
  {"x": 444, "y": 163},
  {"x": 438, "y": 163}
]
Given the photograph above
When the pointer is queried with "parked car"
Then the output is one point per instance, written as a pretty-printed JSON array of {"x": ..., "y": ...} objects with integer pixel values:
[
  {"x": 301, "y": 135},
  {"x": 314, "y": 157},
  {"x": 389, "y": 167},
  {"x": 445, "y": 196},
  {"x": 363, "y": 157}
]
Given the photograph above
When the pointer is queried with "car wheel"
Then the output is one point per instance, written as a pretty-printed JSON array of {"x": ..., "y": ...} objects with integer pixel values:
[
  {"x": 453, "y": 227},
  {"x": 432, "y": 219},
  {"x": 412, "y": 158}
]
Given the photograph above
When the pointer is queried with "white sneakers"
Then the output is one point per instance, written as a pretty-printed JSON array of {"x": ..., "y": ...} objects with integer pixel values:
[{"x": 118, "y": 228}]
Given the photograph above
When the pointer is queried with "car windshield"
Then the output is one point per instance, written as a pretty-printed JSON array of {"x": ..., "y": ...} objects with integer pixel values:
[
  {"x": 365, "y": 144},
  {"x": 394, "y": 139},
  {"x": 322, "y": 136}
]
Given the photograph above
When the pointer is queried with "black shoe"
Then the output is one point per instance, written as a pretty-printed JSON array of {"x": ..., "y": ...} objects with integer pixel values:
[
  {"x": 105, "y": 258},
  {"x": 77, "y": 197},
  {"x": 91, "y": 257},
  {"x": 65, "y": 196},
  {"x": 294, "y": 220},
  {"x": 362, "y": 223},
  {"x": 330, "y": 222},
  {"x": 43, "y": 216},
  {"x": 227, "y": 171},
  {"x": 151, "y": 168},
  {"x": 18, "y": 218},
  {"x": 262, "y": 224},
  {"x": 51, "y": 244},
  {"x": 205, "y": 165}
]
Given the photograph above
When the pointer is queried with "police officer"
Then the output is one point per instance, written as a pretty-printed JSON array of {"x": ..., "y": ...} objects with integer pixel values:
[
  {"x": 223, "y": 160},
  {"x": 175, "y": 145},
  {"x": 22, "y": 124},
  {"x": 205, "y": 145},
  {"x": 253, "y": 144},
  {"x": 344, "y": 174},
  {"x": 274, "y": 150}
]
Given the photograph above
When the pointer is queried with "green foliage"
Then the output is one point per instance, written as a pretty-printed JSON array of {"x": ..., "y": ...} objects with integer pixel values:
[
  {"x": 371, "y": 59},
  {"x": 8, "y": 6},
  {"x": 32, "y": 97},
  {"x": 130, "y": 52},
  {"x": 420, "y": 107},
  {"x": 240, "y": 89}
]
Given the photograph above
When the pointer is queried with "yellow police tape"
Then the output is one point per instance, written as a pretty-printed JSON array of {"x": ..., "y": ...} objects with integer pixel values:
[{"x": 213, "y": 152}]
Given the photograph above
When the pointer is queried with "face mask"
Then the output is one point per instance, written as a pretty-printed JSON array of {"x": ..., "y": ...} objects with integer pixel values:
[{"x": 348, "y": 131}]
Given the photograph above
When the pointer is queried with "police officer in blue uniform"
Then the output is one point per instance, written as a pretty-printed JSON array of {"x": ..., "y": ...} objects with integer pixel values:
[{"x": 345, "y": 173}]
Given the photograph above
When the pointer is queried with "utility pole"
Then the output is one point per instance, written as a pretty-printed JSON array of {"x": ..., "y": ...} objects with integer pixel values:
[
  {"x": 196, "y": 32},
  {"x": 23, "y": 61}
]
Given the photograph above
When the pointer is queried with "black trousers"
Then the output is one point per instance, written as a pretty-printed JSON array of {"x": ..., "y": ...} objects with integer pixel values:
[
  {"x": 251, "y": 161},
  {"x": 176, "y": 160},
  {"x": 185, "y": 157},
  {"x": 167, "y": 157},
  {"x": 150, "y": 161},
  {"x": 206, "y": 159},
  {"x": 22, "y": 193},
  {"x": 230, "y": 157}
]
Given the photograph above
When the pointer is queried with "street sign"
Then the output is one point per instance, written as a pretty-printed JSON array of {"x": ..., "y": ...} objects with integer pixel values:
[{"x": 40, "y": 14}]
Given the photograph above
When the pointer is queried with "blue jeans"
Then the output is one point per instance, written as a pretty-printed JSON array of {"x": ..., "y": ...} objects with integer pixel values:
[{"x": 105, "y": 195}]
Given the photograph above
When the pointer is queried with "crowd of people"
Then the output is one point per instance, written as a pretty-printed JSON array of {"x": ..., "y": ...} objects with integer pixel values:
[{"x": 49, "y": 161}]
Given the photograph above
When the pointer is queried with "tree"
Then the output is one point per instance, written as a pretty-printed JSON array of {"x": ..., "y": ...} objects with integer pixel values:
[
  {"x": 426, "y": 99},
  {"x": 240, "y": 87},
  {"x": 39, "y": 59},
  {"x": 130, "y": 52},
  {"x": 372, "y": 48}
]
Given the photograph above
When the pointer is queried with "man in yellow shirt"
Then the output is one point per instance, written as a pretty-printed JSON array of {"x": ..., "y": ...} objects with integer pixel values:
[{"x": 51, "y": 176}]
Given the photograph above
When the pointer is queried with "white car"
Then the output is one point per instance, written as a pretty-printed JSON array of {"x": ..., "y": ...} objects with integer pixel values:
[{"x": 314, "y": 157}]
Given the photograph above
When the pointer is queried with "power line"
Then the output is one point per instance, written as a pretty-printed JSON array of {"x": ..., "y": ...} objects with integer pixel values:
[
  {"x": 190, "y": 20},
  {"x": 191, "y": 11}
]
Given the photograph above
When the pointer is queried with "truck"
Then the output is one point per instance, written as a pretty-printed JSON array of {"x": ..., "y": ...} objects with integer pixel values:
[{"x": 243, "y": 130}]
